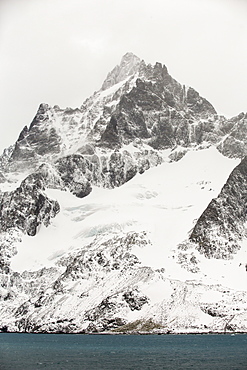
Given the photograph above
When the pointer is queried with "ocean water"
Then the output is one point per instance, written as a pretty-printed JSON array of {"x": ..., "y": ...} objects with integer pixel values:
[{"x": 72, "y": 351}]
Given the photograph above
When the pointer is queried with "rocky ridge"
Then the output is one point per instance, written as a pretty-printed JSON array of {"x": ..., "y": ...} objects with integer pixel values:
[{"x": 141, "y": 102}]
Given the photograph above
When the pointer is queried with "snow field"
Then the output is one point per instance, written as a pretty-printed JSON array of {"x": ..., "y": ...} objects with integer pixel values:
[{"x": 165, "y": 201}]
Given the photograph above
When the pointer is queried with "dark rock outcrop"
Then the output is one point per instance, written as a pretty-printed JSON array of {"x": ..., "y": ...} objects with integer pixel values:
[
  {"x": 40, "y": 139},
  {"x": 197, "y": 104},
  {"x": 120, "y": 168},
  {"x": 235, "y": 143},
  {"x": 135, "y": 300},
  {"x": 161, "y": 112},
  {"x": 75, "y": 172},
  {"x": 221, "y": 227},
  {"x": 27, "y": 207}
]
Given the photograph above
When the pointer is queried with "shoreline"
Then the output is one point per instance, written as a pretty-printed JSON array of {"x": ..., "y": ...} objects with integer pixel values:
[{"x": 131, "y": 333}]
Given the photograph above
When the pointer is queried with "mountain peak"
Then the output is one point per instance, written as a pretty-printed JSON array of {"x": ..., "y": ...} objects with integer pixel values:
[
  {"x": 129, "y": 59},
  {"x": 128, "y": 66}
]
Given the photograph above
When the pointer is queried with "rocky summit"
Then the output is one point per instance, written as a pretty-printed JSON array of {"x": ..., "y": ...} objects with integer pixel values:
[{"x": 126, "y": 214}]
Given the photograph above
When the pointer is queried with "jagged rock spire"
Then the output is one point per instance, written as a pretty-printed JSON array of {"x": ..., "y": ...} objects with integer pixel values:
[{"x": 129, "y": 65}]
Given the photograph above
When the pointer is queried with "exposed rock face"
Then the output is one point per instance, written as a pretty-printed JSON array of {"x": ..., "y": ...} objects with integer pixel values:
[
  {"x": 27, "y": 207},
  {"x": 235, "y": 143},
  {"x": 78, "y": 173},
  {"x": 75, "y": 172},
  {"x": 135, "y": 300},
  {"x": 40, "y": 139},
  {"x": 222, "y": 225},
  {"x": 8, "y": 249},
  {"x": 122, "y": 168},
  {"x": 198, "y": 104},
  {"x": 5, "y": 157},
  {"x": 161, "y": 109},
  {"x": 129, "y": 65},
  {"x": 125, "y": 125}
]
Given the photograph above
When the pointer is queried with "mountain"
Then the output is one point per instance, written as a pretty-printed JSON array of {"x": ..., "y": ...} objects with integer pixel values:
[{"x": 126, "y": 214}]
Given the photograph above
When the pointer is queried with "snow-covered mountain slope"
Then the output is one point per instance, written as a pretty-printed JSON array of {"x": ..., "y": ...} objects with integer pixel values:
[
  {"x": 126, "y": 214},
  {"x": 115, "y": 259},
  {"x": 146, "y": 202}
]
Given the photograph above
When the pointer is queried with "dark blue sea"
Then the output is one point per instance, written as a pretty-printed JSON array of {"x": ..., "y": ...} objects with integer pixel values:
[{"x": 72, "y": 351}]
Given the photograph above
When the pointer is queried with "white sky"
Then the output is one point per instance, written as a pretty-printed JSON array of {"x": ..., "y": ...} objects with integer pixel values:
[{"x": 60, "y": 51}]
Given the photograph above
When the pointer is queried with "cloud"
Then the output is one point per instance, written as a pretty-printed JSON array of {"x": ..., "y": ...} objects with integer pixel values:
[{"x": 92, "y": 45}]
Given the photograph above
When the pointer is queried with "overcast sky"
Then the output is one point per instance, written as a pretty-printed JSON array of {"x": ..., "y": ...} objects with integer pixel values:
[{"x": 60, "y": 51}]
